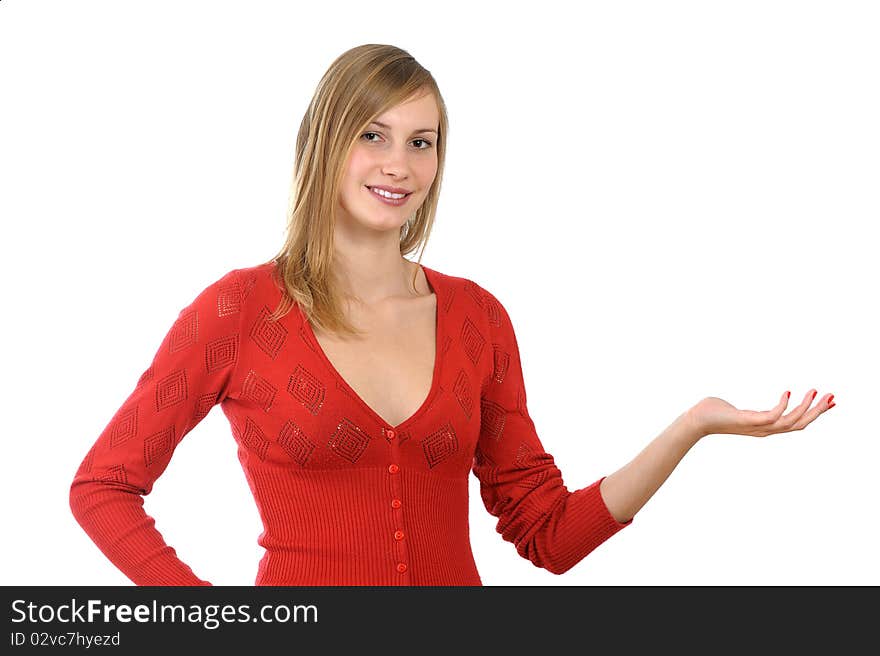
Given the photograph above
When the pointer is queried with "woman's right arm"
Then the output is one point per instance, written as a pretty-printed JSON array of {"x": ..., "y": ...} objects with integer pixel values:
[{"x": 188, "y": 375}]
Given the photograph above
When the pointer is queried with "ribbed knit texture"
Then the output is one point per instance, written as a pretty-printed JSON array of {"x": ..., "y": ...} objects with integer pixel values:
[{"x": 345, "y": 498}]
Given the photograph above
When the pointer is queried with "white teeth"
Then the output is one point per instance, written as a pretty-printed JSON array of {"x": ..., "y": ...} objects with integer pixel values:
[{"x": 387, "y": 194}]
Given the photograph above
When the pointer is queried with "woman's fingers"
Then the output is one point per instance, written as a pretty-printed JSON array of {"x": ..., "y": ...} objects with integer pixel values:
[
  {"x": 766, "y": 418},
  {"x": 794, "y": 416},
  {"x": 801, "y": 415},
  {"x": 822, "y": 406}
]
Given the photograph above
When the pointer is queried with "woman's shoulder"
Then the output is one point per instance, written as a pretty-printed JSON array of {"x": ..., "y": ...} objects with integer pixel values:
[
  {"x": 255, "y": 272},
  {"x": 471, "y": 295},
  {"x": 455, "y": 282},
  {"x": 243, "y": 284}
]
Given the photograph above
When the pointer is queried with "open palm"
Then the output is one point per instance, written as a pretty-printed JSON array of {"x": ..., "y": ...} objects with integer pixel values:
[{"x": 714, "y": 415}]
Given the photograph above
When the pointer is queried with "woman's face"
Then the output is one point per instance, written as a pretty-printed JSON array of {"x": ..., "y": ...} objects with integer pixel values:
[{"x": 399, "y": 151}]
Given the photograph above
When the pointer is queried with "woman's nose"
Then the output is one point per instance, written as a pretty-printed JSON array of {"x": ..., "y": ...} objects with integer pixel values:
[{"x": 395, "y": 160}]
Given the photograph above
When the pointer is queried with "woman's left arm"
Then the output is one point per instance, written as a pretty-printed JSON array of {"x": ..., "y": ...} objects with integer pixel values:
[{"x": 629, "y": 488}]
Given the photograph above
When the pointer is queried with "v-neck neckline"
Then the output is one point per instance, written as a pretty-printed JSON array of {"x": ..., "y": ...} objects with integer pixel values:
[{"x": 430, "y": 276}]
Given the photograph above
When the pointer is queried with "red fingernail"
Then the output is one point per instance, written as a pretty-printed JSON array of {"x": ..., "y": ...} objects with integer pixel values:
[
  {"x": 814, "y": 395},
  {"x": 830, "y": 398},
  {"x": 831, "y": 405},
  {"x": 787, "y": 394}
]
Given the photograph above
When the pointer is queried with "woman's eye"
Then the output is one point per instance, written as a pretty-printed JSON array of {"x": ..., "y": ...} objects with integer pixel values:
[{"x": 374, "y": 134}]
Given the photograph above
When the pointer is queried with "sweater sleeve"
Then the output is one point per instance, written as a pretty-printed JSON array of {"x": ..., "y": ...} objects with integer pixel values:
[
  {"x": 187, "y": 376},
  {"x": 520, "y": 484}
]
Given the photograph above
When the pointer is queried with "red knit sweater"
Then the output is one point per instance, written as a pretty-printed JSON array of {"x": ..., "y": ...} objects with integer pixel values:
[{"x": 345, "y": 498}]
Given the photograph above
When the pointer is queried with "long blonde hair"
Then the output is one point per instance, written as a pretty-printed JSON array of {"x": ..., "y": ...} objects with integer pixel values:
[{"x": 360, "y": 84}]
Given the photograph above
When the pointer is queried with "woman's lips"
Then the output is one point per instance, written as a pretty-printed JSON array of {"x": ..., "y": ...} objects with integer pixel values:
[{"x": 394, "y": 202}]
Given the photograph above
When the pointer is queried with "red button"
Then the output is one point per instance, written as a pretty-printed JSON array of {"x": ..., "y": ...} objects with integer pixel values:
[
  {"x": 393, "y": 469},
  {"x": 401, "y": 567},
  {"x": 389, "y": 433},
  {"x": 395, "y": 503},
  {"x": 398, "y": 535}
]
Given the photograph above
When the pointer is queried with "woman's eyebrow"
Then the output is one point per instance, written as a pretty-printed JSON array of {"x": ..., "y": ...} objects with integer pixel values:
[{"x": 382, "y": 125}]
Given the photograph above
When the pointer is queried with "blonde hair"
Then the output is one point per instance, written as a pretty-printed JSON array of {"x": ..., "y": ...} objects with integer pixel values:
[{"x": 360, "y": 84}]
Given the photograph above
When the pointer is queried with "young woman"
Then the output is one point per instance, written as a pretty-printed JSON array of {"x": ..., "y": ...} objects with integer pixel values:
[{"x": 363, "y": 388}]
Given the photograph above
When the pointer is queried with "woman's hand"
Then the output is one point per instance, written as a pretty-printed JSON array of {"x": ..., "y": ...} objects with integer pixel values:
[{"x": 714, "y": 415}]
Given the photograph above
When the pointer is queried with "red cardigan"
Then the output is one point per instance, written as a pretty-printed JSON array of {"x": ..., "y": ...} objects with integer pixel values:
[{"x": 345, "y": 498}]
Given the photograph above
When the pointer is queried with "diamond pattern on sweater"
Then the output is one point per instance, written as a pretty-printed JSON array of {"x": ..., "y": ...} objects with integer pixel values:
[
  {"x": 171, "y": 390},
  {"x": 501, "y": 361},
  {"x": 471, "y": 340},
  {"x": 493, "y": 310},
  {"x": 439, "y": 445},
  {"x": 306, "y": 388},
  {"x": 124, "y": 427},
  {"x": 157, "y": 445},
  {"x": 295, "y": 443},
  {"x": 474, "y": 292},
  {"x": 221, "y": 353},
  {"x": 258, "y": 391},
  {"x": 254, "y": 439},
  {"x": 185, "y": 331},
  {"x": 463, "y": 393},
  {"x": 114, "y": 474},
  {"x": 204, "y": 403},
  {"x": 348, "y": 441},
  {"x": 229, "y": 298},
  {"x": 492, "y": 419},
  {"x": 268, "y": 335}
]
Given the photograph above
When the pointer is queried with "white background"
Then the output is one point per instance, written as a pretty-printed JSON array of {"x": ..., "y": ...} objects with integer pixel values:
[{"x": 673, "y": 200}]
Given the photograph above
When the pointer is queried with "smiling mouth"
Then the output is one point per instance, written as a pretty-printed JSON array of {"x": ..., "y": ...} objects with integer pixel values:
[{"x": 393, "y": 197}]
